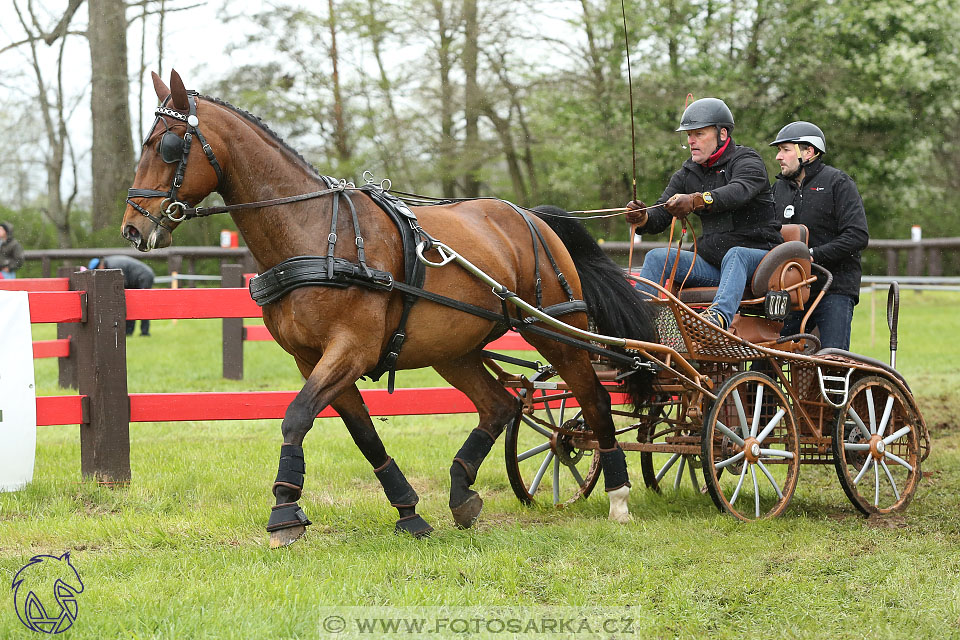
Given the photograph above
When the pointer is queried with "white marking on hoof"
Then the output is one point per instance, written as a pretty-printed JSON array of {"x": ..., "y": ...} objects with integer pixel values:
[
  {"x": 286, "y": 537},
  {"x": 619, "y": 512}
]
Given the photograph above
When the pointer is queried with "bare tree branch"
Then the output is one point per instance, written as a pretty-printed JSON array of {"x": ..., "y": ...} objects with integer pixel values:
[{"x": 60, "y": 29}]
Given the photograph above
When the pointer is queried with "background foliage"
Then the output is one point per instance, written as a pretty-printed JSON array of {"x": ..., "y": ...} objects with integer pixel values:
[{"x": 528, "y": 100}]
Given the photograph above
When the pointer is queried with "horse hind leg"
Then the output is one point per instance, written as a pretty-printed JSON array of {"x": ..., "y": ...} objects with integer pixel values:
[
  {"x": 573, "y": 366},
  {"x": 496, "y": 408}
]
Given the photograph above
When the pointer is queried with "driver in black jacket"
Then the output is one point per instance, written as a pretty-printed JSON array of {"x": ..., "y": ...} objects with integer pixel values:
[
  {"x": 826, "y": 200},
  {"x": 726, "y": 184}
]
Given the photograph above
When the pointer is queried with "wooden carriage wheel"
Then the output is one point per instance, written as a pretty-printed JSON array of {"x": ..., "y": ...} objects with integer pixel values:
[
  {"x": 543, "y": 465},
  {"x": 876, "y": 447},
  {"x": 750, "y": 448}
]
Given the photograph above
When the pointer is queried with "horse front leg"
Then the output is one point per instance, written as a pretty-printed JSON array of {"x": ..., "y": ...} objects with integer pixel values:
[{"x": 335, "y": 372}]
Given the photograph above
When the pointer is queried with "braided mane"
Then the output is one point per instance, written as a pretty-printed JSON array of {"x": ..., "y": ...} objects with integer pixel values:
[{"x": 246, "y": 115}]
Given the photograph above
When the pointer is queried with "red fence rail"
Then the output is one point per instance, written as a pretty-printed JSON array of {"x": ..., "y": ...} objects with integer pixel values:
[{"x": 95, "y": 312}]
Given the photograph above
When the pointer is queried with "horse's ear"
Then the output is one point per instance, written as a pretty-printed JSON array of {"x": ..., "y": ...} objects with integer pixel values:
[
  {"x": 159, "y": 87},
  {"x": 179, "y": 92}
]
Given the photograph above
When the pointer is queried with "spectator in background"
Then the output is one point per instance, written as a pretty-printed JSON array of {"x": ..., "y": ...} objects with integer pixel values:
[
  {"x": 136, "y": 275},
  {"x": 11, "y": 253}
]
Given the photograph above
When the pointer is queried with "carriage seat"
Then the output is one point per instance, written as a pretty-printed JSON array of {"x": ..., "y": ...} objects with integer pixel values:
[{"x": 785, "y": 265}]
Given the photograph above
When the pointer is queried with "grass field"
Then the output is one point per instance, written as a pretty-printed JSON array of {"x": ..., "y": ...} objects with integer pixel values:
[{"x": 182, "y": 553}]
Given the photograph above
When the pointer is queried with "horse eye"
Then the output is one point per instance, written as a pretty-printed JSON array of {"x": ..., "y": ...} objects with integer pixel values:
[{"x": 170, "y": 147}]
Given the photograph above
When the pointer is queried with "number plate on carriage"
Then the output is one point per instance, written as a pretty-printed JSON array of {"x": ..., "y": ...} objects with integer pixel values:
[{"x": 776, "y": 305}]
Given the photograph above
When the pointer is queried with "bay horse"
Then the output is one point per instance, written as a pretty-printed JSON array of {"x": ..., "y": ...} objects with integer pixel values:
[{"x": 337, "y": 334}]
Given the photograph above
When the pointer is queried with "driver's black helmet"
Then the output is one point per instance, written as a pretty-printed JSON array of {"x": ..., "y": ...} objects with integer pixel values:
[
  {"x": 706, "y": 112},
  {"x": 802, "y": 131}
]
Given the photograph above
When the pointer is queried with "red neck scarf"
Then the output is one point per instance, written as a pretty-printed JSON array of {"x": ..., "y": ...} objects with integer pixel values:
[{"x": 719, "y": 152}]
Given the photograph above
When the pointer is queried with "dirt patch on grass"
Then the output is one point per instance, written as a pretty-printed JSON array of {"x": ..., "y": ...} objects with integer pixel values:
[{"x": 894, "y": 521}]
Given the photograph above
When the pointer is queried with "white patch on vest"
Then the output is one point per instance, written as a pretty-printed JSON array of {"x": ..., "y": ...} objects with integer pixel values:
[{"x": 788, "y": 211}]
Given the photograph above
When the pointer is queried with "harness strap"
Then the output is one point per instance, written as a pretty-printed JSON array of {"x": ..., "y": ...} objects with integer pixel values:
[
  {"x": 546, "y": 249},
  {"x": 212, "y": 159},
  {"x": 536, "y": 258},
  {"x": 332, "y": 236}
]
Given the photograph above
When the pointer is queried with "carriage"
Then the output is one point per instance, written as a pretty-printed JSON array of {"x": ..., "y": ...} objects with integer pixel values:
[
  {"x": 741, "y": 409},
  {"x": 728, "y": 402}
]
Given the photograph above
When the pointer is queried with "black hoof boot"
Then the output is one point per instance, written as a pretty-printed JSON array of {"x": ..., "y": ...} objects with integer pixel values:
[
  {"x": 465, "y": 503},
  {"x": 414, "y": 525},
  {"x": 402, "y": 496},
  {"x": 287, "y": 524}
]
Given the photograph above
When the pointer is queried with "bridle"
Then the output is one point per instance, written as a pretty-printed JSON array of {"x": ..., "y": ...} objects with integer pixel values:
[{"x": 172, "y": 148}]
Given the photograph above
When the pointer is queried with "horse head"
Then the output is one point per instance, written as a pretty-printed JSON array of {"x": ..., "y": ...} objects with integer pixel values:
[{"x": 179, "y": 166}]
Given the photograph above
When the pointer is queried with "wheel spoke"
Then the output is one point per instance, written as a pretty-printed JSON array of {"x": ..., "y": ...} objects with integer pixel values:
[
  {"x": 532, "y": 452},
  {"x": 896, "y": 436},
  {"x": 576, "y": 476},
  {"x": 871, "y": 411},
  {"x": 866, "y": 465},
  {"x": 856, "y": 419},
  {"x": 893, "y": 484},
  {"x": 777, "y": 453},
  {"x": 876, "y": 485},
  {"x": 530, "y": 422},
  {"x": 773, "y": 425},
  {"x": 756, "y": 490},
  {"x": 729, "y": 433},
  {"x": 886, "y": 415},
  {"x": 766, "y": 472},
  {"x": 543, "y": 469},
  {"x": 898, "y": 460},
  {"x": 731, "y": 460},
  {"x": 546, "y": 407},
  {"x": 556, "y": 480},
  {"x": 693, "y": 477},
  {"x": 856, "y": 446},
  {"x": 735, "y": 394},
  {"x": 736, "y": 492},
  {"x": 758, "y": 405},
  {"x": 667, "y": 466},
  {"x": 676, "y": 481}
]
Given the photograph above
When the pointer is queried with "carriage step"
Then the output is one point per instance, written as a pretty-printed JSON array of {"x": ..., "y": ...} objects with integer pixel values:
[{"x": 839, "y": 387}]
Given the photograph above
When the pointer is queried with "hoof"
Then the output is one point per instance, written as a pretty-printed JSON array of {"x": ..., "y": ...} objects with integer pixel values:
[
  {"x": 466, "y": 514},
  {"x": 619, "y": 512},
  {"x": 414, "y": 525},
  {"x": 286, "y": 537}
]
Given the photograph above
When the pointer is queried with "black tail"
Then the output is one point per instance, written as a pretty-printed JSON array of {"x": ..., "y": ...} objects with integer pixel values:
[{"x": 616, "y": 307}]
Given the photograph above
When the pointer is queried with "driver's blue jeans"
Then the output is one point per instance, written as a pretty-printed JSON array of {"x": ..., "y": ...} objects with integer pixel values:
[{"x": 731, "y": 278}]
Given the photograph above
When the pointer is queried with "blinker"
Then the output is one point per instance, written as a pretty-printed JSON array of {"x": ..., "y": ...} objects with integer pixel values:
[{"x": 170, "y": 147}]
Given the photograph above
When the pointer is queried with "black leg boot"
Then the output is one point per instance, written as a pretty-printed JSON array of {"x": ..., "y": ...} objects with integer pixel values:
[
  {"x": 465, "y": 503},
  {"x": 402, "y": 496}
]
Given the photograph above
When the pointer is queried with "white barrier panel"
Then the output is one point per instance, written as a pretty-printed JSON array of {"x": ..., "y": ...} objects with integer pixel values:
[{"x": 18, "y": 401}]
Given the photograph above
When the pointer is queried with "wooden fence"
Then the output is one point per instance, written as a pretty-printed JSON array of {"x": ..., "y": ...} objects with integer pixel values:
[{"x": 92, "y": 307}]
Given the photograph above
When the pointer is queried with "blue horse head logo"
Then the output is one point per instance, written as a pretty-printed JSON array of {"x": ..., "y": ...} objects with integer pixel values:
[{"x": 45, "y": 593}]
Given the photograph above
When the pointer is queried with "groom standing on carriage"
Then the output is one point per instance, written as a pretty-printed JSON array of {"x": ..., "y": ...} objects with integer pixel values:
[{"x": 726, "y": 184}]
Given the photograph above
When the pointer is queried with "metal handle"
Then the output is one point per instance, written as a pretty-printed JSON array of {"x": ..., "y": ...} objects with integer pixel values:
[
  {"x": 447, "y": 255},
  {"x": 893, "y": 316}
]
